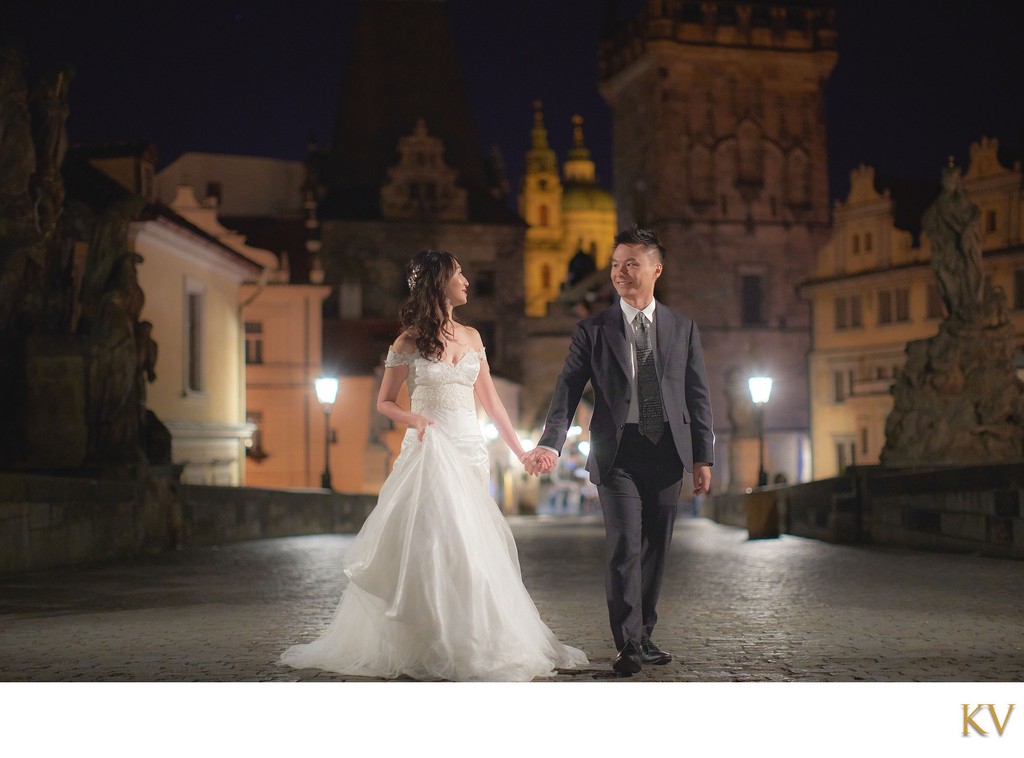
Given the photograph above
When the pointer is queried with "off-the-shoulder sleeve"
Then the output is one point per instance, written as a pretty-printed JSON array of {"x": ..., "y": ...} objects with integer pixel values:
[
  {"x": 399, "y": 359},
  {"x": 483, "y": 353}
]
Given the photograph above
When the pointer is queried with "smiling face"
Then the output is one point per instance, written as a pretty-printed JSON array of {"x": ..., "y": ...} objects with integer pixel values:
[
  {"x": 635, "y": 269},
  {"x": 457, "y": 290}
]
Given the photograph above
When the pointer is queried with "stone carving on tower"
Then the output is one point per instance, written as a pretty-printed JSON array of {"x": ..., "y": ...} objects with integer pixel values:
[{"x": 421, "y": 186}]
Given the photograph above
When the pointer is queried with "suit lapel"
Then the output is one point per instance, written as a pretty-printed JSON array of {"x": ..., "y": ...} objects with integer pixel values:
[{"x": 613, "y": 329}]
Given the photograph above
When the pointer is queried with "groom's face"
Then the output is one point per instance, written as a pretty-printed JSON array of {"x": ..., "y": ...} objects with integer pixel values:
[{"x": 635, "y": 269}]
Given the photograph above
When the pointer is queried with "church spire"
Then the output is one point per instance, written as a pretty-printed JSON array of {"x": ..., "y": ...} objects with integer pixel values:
[
  {"x": 579, "y": 167},
  {"x": 540, "y": 158}
]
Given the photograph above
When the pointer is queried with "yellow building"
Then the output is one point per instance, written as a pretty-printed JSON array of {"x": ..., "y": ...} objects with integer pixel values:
[
  {"x": 571, "y": 220},
  {"x": 282, "y": 322},
  {"x": 192, "y": 283},
  {"x": 874, "y": 291}
]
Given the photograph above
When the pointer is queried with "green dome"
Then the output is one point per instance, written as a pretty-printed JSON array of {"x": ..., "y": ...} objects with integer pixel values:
[{"x": 586, "y": 197}]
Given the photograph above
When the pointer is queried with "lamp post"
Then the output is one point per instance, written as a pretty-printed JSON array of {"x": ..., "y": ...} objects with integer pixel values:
[
  {"x": 326, "y": 393},
  {"x": 760, "y": 390}
]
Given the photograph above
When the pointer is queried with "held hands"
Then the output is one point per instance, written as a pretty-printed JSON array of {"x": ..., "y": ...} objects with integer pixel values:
[
  {"x": 420, "y": 424},
  {"x": 701, "y": 478},
  {"x": 539, "y": 461}
]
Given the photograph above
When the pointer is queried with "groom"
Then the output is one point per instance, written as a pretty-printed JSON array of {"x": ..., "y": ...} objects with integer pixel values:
[{"x": 651, "y": 419}]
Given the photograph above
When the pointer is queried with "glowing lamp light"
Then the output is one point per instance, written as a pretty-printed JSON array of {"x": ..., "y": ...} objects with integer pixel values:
[
  {"x": 326, "y": 389},
  {"x": 760, "y": 389},
  {"x": 490, "y": 432},
  {"x": 326, "y": 392},
  {"x": 584, "y": 448}
]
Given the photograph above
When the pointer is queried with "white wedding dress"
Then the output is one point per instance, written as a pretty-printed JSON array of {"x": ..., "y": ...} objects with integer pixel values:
[{"x": 434, "y": 590}]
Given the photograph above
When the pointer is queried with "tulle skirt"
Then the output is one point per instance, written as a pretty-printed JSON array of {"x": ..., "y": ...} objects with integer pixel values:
[{"x": 434, "y": 587}]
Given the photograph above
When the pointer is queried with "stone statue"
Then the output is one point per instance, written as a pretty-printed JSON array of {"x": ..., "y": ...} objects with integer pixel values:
[
  {"x": 958, "y": 400},
  {"x": 74, "y": 358},
  {"x": 114, "y": 402},
  {"x": 50, "y": 114},
  {"x": 951, "y": 224},
  {"x": 109, "y": 238},
  {"x": 17, "y": 150}
]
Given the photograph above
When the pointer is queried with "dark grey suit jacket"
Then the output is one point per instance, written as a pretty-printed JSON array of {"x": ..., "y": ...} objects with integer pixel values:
[{"x": 599, "y": 353}]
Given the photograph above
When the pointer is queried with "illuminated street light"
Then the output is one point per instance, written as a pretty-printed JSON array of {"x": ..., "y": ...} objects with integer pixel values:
[
  {"x": 760, "y": 391},
  {"x": 326, "y": 393}
]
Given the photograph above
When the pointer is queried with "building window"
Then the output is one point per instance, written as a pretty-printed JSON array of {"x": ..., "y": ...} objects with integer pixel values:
[
  {"x": 846, "y": 453},
  {"x": 840, "y": 314},
  {"x": 545, "y": 277},
  {"x": 864, "y": 441},
  {"x": 542, "y": 214},
  {"x": 867, "y": 242},
  {"x": 253, "y": 342},
  {"x": 856, "y": 312},
  {"x": 990, "y": 221},
  {"x": 902, "y": 304},
  {"x": 1018, "y": 289},
  {"x": 856, "y": 244},
  {"x": 194, "y": 337},
  {"x": 484, "y": 285},
  {"x": 936, "y": 308},
  {"x": 752, "y": 289},
  {"x": 215, "y": 190},
  {"x": 884, "y": 307},
  {"x": 839, "y": 384}
]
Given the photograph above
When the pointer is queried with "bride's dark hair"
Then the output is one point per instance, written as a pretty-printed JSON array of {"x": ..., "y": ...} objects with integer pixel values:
[{"x": 425, "y": 311}]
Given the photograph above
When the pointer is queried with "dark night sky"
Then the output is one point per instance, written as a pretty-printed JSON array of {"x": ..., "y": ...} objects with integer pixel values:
[{"x": 916, "y": 80}]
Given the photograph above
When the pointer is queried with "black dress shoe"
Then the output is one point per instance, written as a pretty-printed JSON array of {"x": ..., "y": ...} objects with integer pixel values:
[
  {"x": 652, "y": 654},
  {"x": 629, "y": 660}
]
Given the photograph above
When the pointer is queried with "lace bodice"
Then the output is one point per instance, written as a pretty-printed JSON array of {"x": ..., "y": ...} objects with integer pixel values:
[{"x": 440, "y": 384}]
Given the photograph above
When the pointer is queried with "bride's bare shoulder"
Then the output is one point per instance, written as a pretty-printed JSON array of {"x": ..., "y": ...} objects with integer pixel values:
[
  {"x": 406, "y": 343},
  {"x": 472, "y": 337}
]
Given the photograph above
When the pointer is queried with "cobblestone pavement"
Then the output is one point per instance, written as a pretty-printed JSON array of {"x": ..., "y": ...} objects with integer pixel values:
[{"x": 732, "y": 610}]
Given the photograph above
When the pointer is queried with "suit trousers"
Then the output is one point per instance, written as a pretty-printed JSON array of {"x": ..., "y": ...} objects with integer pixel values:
[{"x": 639, "y": 501}]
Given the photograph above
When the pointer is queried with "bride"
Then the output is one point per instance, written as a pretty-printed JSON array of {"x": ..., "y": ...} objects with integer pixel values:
[{"x": 434, "y": 588}]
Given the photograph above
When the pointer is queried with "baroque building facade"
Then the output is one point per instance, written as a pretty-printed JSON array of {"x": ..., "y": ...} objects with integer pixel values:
[
  {"x": 571, "y": 218},
  {"x": 874, "y": 290},
  {"x": 720, "y": 147}
]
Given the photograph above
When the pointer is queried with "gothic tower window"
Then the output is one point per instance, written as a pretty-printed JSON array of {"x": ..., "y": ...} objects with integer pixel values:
[
  {"x": 701, "y": 177},
  {"x": 750, "y": 168},
  {"x": 545, "y": 277},
  {"x": 798, "y": 178},
  {"x": 752, "y": 303},
  {"x": 542, "y": 214}
]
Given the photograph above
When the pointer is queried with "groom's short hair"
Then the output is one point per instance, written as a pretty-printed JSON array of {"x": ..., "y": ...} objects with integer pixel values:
[{"x": 645, "y": 238}]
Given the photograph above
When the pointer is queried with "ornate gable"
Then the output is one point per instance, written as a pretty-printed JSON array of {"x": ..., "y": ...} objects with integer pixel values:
[{"x": 422, "y": 186}]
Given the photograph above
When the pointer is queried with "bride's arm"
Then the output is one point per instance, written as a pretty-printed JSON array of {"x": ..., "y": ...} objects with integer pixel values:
[
  {"x": 493, "y": 407},
  {"x": 391, "y": 383}
]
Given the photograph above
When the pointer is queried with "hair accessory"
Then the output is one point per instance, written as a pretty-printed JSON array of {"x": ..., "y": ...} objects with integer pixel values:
[{"x": 414, "y": 275}]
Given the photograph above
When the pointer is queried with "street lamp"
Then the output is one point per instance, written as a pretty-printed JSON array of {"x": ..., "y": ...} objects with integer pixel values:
[
  {"x": 760, "y": 390},
  {"x": 326, "y": 393}
]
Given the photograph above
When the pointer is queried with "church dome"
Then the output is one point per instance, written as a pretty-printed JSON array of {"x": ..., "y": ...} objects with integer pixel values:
[{"x": 586, "y": 197}]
